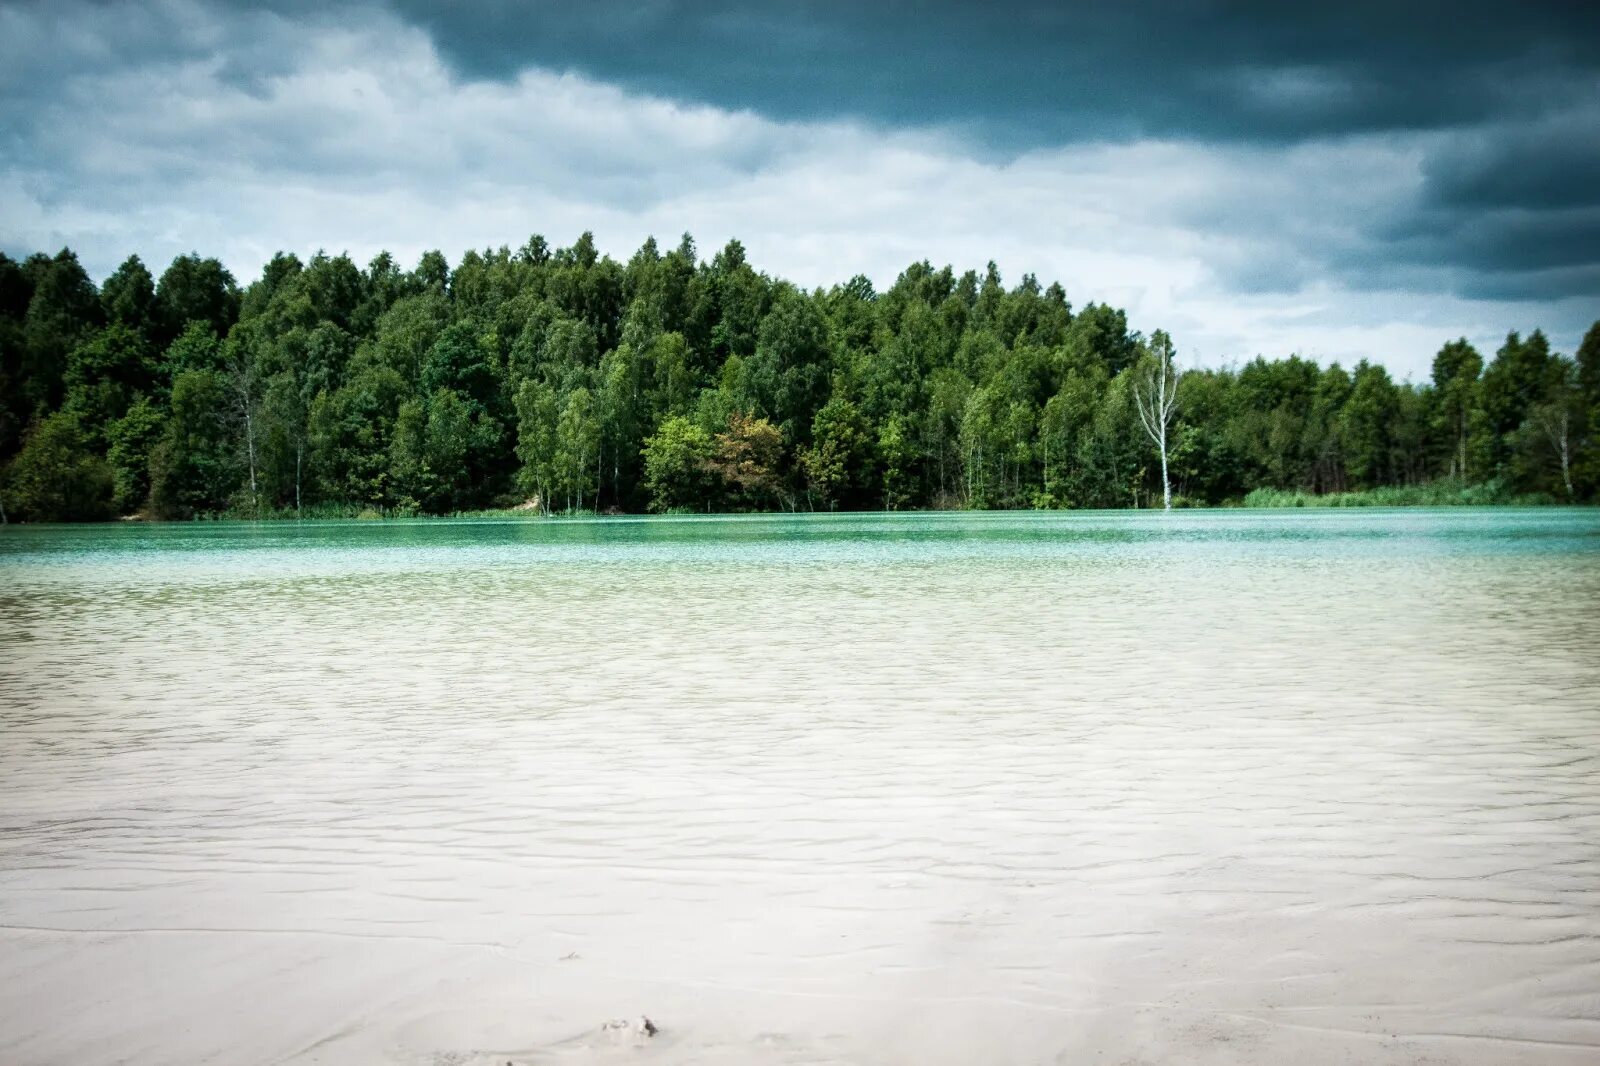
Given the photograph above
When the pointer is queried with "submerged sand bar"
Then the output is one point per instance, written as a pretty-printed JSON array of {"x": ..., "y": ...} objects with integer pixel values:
[{"x": 1203, "y": 788}]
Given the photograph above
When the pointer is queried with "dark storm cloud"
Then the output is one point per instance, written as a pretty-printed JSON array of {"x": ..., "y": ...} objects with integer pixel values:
[
  {"x": 1030, "y": 72},
  {"x": 1512, "y": 90},
  {"x": 1553, "y": 166},
  {"x": 1515, "y": 254},
  {"x": 1514, "y": 205}
]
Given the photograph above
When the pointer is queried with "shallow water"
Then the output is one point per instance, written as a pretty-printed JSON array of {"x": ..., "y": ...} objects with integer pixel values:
[{"x": 1128, "y": 788}]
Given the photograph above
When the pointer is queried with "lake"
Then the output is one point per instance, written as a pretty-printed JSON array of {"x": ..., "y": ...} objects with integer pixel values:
[{"x": 1207, "y": 787}]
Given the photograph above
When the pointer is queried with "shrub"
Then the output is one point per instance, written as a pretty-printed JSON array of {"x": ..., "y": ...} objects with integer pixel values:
[{"x": 57, "y": 478}]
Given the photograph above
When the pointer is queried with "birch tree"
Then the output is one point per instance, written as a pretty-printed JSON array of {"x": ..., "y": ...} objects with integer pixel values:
[
  {"x": 1555, "y": 417},
  {"x": 286, "y": 410},
  {"x": 1156, "y": 397},
  {"x": 1556, "y": 421},
  {"x": 1456, "y": 370},
  {"x": 243, "y": 387},
  {"x": 538, "y": 411},
  {"x": 578, "y": 448}
]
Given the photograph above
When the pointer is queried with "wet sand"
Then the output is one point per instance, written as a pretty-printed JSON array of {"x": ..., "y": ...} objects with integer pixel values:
[{"x": 1205, "y": 793}]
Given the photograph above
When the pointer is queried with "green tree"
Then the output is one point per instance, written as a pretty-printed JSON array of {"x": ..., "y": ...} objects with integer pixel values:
[
  {"x": 672, "y": 375},
  {"x": 897, "y": 450},
  {"x": 948, "y": 394},
  {"x": 1586, "y": 465},
  {"x": 1518, "y": 378},
  {"x": 193, "y": 289},
  {"x": 1323, "y": 442},
  {"x": 196, "y": 348},
  {"x": 578, "y": 448},
  {"x": 622, "y": 407},
  {"x": 460, "y": 360},
  {"x": 105, "y": 375},
  {"x": 1065, "y": 430},
  {"x": 450, "y": 441},
  {"x": 1366, "y": 426},
  {"x": 57, "y": 477},
  {"x": 788, "y": 374},
  {"x": 132, "y": 439},
  {"x": 1553, "y": 432},
  {"x": 406, "y": 334},
  {"x": 286, "y": 415},
  {"x": 746, "y": 458},
  {"x": 349, "y": 432},
  {"x": 195, "y": 467},
  {"x": 676, "y": 459},
  {"x": 538, "y": 415},
  {"x": 128, "y": 297},
  {"x": 1456, "y": 370},
  {"x": 63, "y": 310},
  {"x": 839, "y": 463},
  {"x": 410, "y": 477}
]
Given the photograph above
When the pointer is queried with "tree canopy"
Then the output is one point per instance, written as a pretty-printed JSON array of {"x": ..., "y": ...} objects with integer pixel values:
[{"x": 672, "y": 382}]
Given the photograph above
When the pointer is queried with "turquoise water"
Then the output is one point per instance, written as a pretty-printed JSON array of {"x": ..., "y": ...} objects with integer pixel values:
[
  {"x": 1233, "y": 786},
  {"x": 744, "y": 539}
]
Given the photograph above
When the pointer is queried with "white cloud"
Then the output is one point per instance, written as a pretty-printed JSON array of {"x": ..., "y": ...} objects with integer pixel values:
[{"x": 249, "y": 132}]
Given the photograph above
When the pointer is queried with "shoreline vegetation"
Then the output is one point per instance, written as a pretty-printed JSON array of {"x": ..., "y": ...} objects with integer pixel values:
[
  {"x": 1443, "y": 493},
  {"x": 558, "y": 380}
]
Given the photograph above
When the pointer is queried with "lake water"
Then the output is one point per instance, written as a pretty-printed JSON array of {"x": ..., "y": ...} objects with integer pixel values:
[{"x": 1227, "y": 787}]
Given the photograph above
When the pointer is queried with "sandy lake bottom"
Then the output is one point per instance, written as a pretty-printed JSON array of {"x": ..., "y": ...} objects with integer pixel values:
[{"x": 1244, "y": 788}]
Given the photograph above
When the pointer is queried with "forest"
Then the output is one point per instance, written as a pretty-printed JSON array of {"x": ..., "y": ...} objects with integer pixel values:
[{"x": 562, "y": 380}]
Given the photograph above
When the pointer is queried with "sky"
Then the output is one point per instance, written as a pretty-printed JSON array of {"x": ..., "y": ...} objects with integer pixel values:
[{"x": 1358, "y": 180}]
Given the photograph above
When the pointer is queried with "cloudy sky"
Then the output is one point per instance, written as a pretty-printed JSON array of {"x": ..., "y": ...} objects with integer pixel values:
[{"x": 1368, "y": 181}]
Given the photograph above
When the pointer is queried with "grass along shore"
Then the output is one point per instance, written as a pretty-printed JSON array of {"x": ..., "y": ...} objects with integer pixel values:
[{"x": 1441, "y": 493}]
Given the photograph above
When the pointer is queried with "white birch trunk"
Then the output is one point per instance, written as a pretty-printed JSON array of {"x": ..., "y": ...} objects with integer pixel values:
[
  {"x": 1557, "y": 426},
  {"x": 1156, "y": 401},
  {"x": 250, "y": 447}
]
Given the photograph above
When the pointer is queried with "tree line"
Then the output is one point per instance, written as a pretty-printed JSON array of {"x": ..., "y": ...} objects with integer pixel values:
[{"x": 564, "y": 379}]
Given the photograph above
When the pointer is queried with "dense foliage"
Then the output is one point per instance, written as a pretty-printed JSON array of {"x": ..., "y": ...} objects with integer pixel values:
[{"x": 670, "y": 383}]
